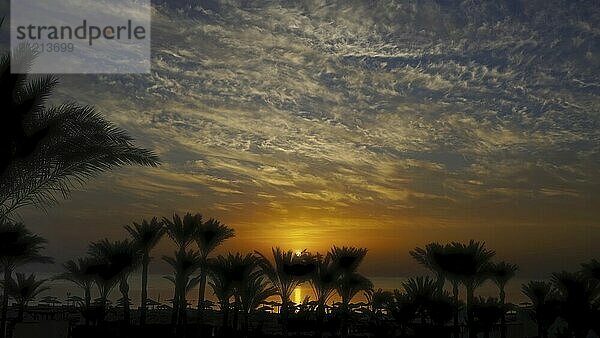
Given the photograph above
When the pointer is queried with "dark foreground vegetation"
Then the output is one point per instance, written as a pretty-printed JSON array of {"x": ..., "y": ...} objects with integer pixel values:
[{"x": 254, "y": 290}]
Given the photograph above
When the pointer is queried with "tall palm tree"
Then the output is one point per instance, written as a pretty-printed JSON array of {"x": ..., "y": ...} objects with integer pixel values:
[
  {"x": 24, "y": 289},
  {"x": 44, "y": 151},
  {"x": 222, "y": 284},
  {"x": 286, "y": 273},
  {"x": 591, "y": 269},
  {"x": 248, "y": 285},
  {"x": 184, "y": 264},
  {"x": 501, "y": 273},
  {"x": 422, "y": 291},
  {"x": 209, "y": 236},
  {"x": 347, "y": 260},
  {"x": 182, "y": 231},
  {"x": 253, "y": 290},
  {"x": 18, "y": 246},
  {"x": 579, "y": 301},
  {"x": 118, "y": 260},
  {"x": 446, "y": 264},
  {"x": 323, "y": 281},
  {"x": 403, "y": 309},
  {"x": 470, "y": 265},
  {"x": 145, "y": 236},
  {"x": 432, "y": 256},
  {"x": 544, "y": 298},
  {"x": 488, "y": 312},
  {"x": 78, "y": 272}
]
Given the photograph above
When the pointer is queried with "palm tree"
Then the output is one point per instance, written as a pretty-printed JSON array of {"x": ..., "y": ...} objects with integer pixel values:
[
  {"x": 488, "y": 312},
  {"x": 78, "y": 272},
  {"x": 323, "y": 281},
  {"x": 501, "y": 273},
  {"x": 592, "y": 269},
  {"x": 18, "y": 246},
  {"x": 350, "y": 282},
  {"x": 240, "y": 277},
  {"x": 421, "y": 291},
  {"x": 579, "y": 301},
  {"x": 182, "y": 231},
  {"x": 117, "y": 261},
  {"x": 184, "y": 264},
  {"x": 209, "y": 236},
  {"x": 146, "y": 236},
  {"x": 23, "y": 290},
  {"x": 543, "y": 297},
  {"x": 470, "y": 266},
  {"x": 253, "y": 290},
  {"x": 403, "y": 309},
  {"x": 446, "y": 264},
  {"x": 44, "y": 151},
  {"x": 433, "y": 258},
  {"x": 222, "y": 284},
  {"x": 286, "y": 273}
]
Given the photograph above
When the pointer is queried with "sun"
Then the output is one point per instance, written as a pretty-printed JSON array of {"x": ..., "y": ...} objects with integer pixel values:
[{"x": 298, "y": 253}]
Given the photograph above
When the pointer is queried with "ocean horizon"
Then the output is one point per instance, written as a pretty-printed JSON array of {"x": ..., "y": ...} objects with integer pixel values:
[{"x": 161, "y": 290}]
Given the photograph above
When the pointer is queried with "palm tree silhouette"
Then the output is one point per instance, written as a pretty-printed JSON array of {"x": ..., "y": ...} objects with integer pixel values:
[
  {"x": 209, "y": 236},
  {"x": 544, "y": 299},
  {"x": 488, "y": 312},
  {"x": 469, "y": 263},
  {"x": 501, "y": 273},
  {"x": 145, "y": 236},
  {"x": 253, "y": 290},
  {"x": 45, "y": 151},
  {"x": 433, "y": 258},
  {"x": 23, "y": 290},
  {"x": 18, "y": 246},
  {"x": 116, "y": 260},
  {"x": 579, "y": 302},
  {"x": 184, "y": 264},
  {"x": 249, "y": 285},
  {"x": 286, "y": 273},
  {"x": 182, "y": 231},
  {"x": 421, "y": 291},
  {"x": 78, "y": 272},
  {"x": 350, "y": 282},
  {"x": 592, "y": 269},
  {"x": 403, "y": 309},
  {"x": 222, "y": 284},
  {"x": 323, "y": 281}
]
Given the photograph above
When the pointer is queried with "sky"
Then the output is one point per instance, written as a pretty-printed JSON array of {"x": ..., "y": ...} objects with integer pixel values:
[{"x": 385, "y": 125}]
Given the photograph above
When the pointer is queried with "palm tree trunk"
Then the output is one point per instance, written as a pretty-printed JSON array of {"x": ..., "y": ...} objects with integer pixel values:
[
  {"x": 144, "y": 305},
  {"x": 88, "y": 301},
  {"x": 320, "y": 318},
  {"x": 124, "y": 288},
  {"x": 470, "y": 319},
  {"x": 236, "y": 311},
  {"x": 503, "y": 318},
  {"x": 7, "y": 276},
  {"x": 455, "y": 294},
  {"x": 285, "y": 312},
  {"x": 201, "y": 294},
  {"x": 21, "y": 313},
  {"x": 225, "y": 309}
]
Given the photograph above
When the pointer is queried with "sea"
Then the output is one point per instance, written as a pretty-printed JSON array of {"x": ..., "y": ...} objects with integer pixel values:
[{"x": 161, "y": 290}]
